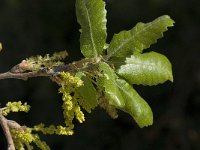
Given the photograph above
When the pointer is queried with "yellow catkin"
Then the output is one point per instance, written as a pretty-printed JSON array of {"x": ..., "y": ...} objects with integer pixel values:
[
  {"x": 79, "y": 114},
  {"x": 60, "y": 130},
  {"x": 15, "y": 107},
  {"x": 38, "y": 62},
  {"x": 70, "y": 105}
]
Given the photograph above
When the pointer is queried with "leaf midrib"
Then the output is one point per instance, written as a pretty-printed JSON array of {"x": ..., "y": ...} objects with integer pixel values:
[
  {"x": 90, "y": 28},
  {"x": 132, "y": 37},
  {"x": 128, "y": 94},
  {"x": 153, "y": 65}
]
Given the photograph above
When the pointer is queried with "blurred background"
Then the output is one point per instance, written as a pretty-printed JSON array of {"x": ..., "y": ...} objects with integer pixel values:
[{"x": 30, "y": 27}]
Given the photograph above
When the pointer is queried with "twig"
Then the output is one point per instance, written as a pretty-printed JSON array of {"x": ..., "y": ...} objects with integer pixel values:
[
  {"x": 18, "y": 72},
  {"x": 23, "y": 75},
  {"x": 5, "y": 127}
]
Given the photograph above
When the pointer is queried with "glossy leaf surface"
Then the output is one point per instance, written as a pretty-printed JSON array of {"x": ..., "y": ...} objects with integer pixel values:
[
  {"x": 137, "y": 39},
  {"x": 91, "y": 15},
  {"x": 135, "y": 105},
  {"x": 147, "y": 69},
  {"x": 108, "y": 81}
]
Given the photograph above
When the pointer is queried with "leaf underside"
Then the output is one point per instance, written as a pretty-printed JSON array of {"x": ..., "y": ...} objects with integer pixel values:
[
  {"x": 137, "y": 39},
  {"x": 87, "y": 92},
  {"x": 91, "y": 15}
]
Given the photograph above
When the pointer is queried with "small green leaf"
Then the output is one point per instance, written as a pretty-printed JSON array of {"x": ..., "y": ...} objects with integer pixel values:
[
  {"x": 91, "y": 15},
  {"x": 87, "y": 92},
  {"x": 112, "y": 92},
  {"x": 138, "y": 38},
  {"x": 147, "y": 69},
  {"x": 135, "y": 105}
]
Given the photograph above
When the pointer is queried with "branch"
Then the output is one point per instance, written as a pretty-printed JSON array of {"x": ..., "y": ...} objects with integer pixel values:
[
  {"x": 23, "y": 75},
  {"x": 19, "y": 71},
  {"x": 5, "y": 126}
]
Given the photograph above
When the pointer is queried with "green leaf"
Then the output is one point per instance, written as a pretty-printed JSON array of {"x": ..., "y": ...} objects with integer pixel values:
[
  {"x": 91, "y": 15},
  {"x": 138, "y": 38},
  {"x": 147, "y": 69},
  {"x": 87, "y": 92},
  {"x": 112, "y": 92},
  {"x": 135, "y": 105}
]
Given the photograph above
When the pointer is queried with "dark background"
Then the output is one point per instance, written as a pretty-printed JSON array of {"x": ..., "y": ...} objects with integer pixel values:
[{"x": 30, "y": 27}]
